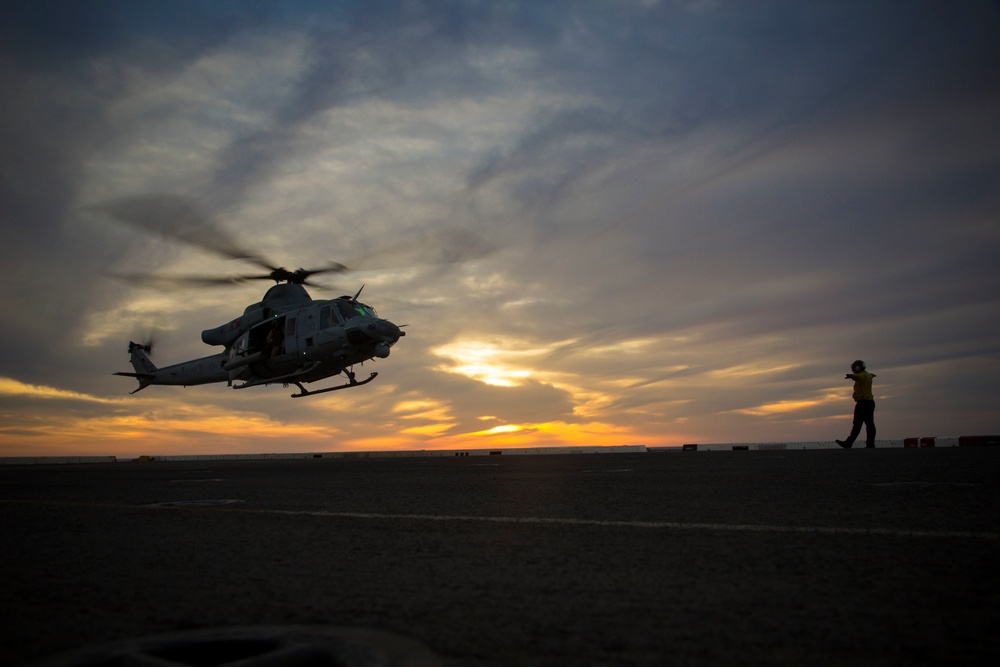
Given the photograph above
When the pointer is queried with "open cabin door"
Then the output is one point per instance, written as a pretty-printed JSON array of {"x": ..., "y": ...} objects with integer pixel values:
[{"x": 261, "y": 343}]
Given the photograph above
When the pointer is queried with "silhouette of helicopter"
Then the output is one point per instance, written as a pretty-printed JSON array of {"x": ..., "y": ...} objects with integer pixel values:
[{"x": 287, "y": 337}]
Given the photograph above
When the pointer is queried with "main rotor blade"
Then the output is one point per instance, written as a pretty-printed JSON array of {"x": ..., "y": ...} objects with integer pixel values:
[
  {"x": 299, "y": 276},
  {"x": 172, "y": 282},
  {"x": 174, "y": 217},
  {"x": 177, "y": 218}
]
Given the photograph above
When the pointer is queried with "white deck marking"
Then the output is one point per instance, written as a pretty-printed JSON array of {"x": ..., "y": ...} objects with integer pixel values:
[
  {"x": 227, "y": 505},
  {"x": 648, "y": 525},
  {"x": 926, "y": 484},
  {"x": 190, "y": 481}
]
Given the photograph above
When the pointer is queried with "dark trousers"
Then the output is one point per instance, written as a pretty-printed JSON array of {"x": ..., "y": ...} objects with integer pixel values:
[{"x": 864, "y": 413}]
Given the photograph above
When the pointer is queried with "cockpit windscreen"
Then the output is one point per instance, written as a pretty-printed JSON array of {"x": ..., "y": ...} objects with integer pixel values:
[{"x": 351, "y": 309}]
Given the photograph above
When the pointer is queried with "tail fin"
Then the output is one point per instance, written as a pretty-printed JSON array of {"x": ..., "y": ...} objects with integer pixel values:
[{"x": 145, "y": 369}]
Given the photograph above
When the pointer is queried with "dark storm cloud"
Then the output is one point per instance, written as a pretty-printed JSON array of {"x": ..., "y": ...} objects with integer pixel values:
[
  {"x": 366, "y": 50},
  {"x": 53, "y": 118},
  {"x": 655, "y": 74}
]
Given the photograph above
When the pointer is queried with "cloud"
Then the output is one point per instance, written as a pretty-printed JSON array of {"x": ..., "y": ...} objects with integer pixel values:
[
  {"x": 9, "y": 387},
  {"x": 596, "y": 220}
]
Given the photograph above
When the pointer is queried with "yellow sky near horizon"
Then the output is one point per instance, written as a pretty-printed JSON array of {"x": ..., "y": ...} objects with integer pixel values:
[{"x": 177, "y": 428}]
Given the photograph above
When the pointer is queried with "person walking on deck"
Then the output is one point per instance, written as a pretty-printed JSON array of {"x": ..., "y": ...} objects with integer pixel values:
[{"x": 864, "y": 406}]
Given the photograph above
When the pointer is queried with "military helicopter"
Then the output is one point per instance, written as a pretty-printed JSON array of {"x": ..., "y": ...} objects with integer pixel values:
[{"x": 287, "y": 337}]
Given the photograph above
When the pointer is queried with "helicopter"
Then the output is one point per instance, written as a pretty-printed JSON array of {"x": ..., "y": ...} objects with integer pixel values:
[{"x": 287, "y": 337}]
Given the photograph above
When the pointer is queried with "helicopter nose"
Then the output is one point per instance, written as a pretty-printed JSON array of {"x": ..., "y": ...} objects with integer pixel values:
[
  {"x": 386, "y": 331},
  {"x": 390, "y": 330}
]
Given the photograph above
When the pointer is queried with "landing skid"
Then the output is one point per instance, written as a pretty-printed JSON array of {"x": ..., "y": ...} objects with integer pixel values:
[{"x": 351, "y": 383}]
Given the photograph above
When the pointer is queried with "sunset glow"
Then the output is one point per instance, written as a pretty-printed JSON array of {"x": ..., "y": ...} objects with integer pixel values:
[{"x": 504, "y": 364}]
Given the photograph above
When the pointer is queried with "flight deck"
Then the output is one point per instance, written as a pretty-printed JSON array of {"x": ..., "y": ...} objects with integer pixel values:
[{"x": 823, "y": 557}]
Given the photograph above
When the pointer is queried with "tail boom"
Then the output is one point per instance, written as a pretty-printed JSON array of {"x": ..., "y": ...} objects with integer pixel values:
[{"x": 197, "y": 371}]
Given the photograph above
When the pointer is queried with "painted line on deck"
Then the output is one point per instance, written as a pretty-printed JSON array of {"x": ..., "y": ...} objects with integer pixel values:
[
  {"x": 654, "y": 525},
  {"x": 194, "y": 481},
  {"x": 228, "y": 505}
]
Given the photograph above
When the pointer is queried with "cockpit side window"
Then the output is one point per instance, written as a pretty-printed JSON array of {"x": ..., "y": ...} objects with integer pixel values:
[{"x": 347, "y": 310}]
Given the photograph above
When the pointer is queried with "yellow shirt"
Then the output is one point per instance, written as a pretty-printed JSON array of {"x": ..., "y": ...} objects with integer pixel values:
[{"x": 862, "y": 386}]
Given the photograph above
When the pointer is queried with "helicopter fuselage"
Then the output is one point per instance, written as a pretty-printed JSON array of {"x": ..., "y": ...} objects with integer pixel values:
[{"x": 287, "y": 337}]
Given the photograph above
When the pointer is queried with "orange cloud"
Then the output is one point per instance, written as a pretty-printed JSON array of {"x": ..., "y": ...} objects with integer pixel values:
[{"x": 10, "y": 387}]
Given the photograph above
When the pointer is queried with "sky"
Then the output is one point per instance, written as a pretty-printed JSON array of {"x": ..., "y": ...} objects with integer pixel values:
[{"x": 690, "y": 217}]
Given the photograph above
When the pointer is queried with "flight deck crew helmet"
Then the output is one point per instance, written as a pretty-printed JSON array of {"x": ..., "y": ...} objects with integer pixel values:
[{"x": 858, "y": 366}]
